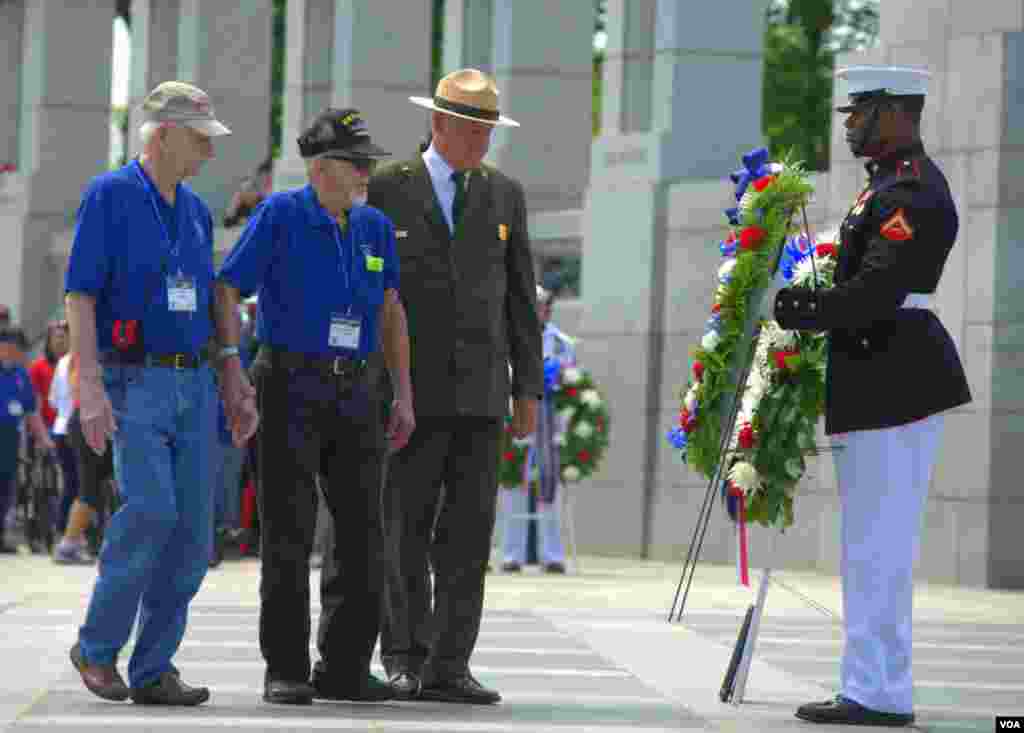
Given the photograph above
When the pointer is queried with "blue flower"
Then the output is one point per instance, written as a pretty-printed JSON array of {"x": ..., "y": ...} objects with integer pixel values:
[
  {"x": 728, "y": 249},
  {"x": 677, "y": 437},
  {"x": 797, "y": 249},
  {"x": 715, "y": 323},
  {"x": 733, "y": 215},
  {"x": 552, "y": 374},
  {"x": 753, "y": 168}
]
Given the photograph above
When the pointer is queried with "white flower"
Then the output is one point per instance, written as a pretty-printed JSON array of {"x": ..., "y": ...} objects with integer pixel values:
[
  {"x": 725, "y": 271},
  {"x": 560, "y": 439},
  {"x": 690, "y": 401},
  {"x": 710, "y": 341},
  {"x": 591, "y": 398},
  {"x": 744, "y": 475},
  {"x": 584, "y": 429},
  {"x": 571, "y": 376},
  {"x": 779, "y": 338},
  {"x": 566, "y": 413},
  {"x": 571, "y": 473},
  {"x": 748, "y": 196}
]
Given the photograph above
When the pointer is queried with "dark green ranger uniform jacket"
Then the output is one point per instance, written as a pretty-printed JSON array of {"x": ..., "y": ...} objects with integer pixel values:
[{"x": 470, "y": 300}]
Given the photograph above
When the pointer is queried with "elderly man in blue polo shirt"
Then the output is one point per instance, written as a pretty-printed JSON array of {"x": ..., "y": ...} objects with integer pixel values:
[
  {"x": 139, "y": 290},
  {"x": 325, "y": 268}
]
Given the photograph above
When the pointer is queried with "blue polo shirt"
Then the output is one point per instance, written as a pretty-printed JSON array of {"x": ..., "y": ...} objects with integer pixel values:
[
  {"x": 307, "y": 271},
  {"x": 17, "y": 399},
  {"x": 128, "y": 241}
]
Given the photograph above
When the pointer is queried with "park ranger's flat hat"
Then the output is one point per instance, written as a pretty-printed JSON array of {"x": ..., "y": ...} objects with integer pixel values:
[
  {"x": 868, "y": 83},
  {"x": 180, "y": 103},
  {"x": 469, "y": 94}
]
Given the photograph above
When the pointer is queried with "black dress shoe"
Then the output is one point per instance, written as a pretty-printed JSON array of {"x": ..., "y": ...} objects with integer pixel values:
[
  {"x": 168, "y": 689},
  {"x": 555, "y": 568},
  {"x": 406, "y": 685},
  {"x": 511, "y": 567},
  {"x": 288, "y": 692},
  {"x": 844, "y": 711},
  {"x": 370, "y": 690},
  {"x": 464, "y": 689},
  {"x": 102, "y": 680}
]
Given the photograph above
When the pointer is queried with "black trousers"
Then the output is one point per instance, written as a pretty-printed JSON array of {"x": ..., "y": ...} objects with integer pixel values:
[
  {"x": 309, "y": 424},
  {"x": 432, "y": 630}
]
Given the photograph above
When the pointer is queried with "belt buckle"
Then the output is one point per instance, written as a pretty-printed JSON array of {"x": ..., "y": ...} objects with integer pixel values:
[
  {"x": 179, "y": 361},
  {"x": 338, "y": 366}
]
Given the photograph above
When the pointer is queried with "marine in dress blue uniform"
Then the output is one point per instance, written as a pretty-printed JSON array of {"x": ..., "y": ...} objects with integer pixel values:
[
  {"x": 325, "y": 269},
  {"x": 892, "y": 371},
  {"x": 544, "y": 454},
  {"x": 139, "y": 285}
]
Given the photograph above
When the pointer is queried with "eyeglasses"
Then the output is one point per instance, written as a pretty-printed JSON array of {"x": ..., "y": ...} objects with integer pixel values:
[{"x": 363, "y": 165}]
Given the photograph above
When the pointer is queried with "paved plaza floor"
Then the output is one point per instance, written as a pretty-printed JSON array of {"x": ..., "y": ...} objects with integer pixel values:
[{"x": 587, "y": 652}]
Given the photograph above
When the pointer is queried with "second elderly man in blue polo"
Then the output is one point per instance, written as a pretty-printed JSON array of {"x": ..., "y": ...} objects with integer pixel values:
[{"x": 324, "y": 267}]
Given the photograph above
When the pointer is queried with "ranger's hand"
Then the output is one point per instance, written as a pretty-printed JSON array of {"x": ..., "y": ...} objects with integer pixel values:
[{"x": 401, "y": 423}]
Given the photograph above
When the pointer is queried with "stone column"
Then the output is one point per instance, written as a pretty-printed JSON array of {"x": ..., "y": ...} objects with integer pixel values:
[
  {"x": 154, "y": 56},
  {"x": 307, "y": 81},
  {"x": 381, "y": 58},
  {"x": 468, "y": 30},
  {"x": 652, "y": 213},
  {"x": 224, "y": 48},
  {"x": 63, "y": 141},
  {"x": 543, "y": 66},
  {"x": 11, "y": 19}
]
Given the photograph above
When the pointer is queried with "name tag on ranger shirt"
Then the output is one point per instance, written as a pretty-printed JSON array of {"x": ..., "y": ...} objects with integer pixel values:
[
  {"x": 344, "y": 333},
  {"x": 181, "y": 293}
]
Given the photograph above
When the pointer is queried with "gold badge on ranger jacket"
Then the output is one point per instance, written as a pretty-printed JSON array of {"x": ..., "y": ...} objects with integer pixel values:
[{"x": 503, "y": 232}]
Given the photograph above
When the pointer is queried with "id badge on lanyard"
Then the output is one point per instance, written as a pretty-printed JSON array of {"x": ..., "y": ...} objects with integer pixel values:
[
  {"x": 344, "y": 332},
  {"x": 181, "y": 293}
]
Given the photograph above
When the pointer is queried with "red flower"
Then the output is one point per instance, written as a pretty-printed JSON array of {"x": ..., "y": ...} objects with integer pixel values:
[
  {"x": 780, "y": 358},
  {"x": 510, "y": 455},
  {"x": 751, "y": 237},
  {"x": 716, "y": 307},
  {"x": 731, "y": 238},
  {"x": 583, "y": 456},
  {"x": 684, "y": 417},
  {"x": 746, "y": 437},
  {"x": 826, "y": 249},
  {"x": 698, "y": 370},
  {"x": 690, "y": 426},
  {"x": 571, "y": 391},
  {"x": 763, "y": 182}
]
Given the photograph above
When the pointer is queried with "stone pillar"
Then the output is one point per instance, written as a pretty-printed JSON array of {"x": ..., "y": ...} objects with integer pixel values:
[
  {"x": 545, "y": 73},
  {"x": 381, "y": 58},
  {"x": 11, "y": 19},
  {"x": 652, "y": 213},
  {"x": 154, "y": 57},
  {"x": 63, "y": 141},
  {"x": 468, "y": 30},
  {"x": 307, "y": 81},
  {"x": 224, "y": 48}
]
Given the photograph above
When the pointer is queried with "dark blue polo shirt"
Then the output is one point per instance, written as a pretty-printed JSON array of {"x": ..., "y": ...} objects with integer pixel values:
[
  {"x": 17, "y": 400},
  {"x": 305, "y": 270},
  {"x": 128, "y": 240}
]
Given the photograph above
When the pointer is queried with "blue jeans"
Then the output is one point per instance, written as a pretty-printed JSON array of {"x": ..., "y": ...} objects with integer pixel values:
[{"x": 156, "y": 550}]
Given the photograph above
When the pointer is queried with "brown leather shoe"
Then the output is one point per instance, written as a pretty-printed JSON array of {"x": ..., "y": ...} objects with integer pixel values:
[
  {"x": 102, "y": 680},
  {"x": 168, "y": 689}
]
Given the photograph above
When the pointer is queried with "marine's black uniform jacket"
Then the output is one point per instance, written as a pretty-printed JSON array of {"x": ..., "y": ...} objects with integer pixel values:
[
  {"x": 887, "y": 365},
  {"x": 470, "y": 300}
]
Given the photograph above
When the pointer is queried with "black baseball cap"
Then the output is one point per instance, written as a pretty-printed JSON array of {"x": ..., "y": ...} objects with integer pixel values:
[{"x": 338, "y": 133}]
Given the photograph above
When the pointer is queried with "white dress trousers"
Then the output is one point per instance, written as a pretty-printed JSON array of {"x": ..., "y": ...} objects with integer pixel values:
[{"x": 883, "y": 480}]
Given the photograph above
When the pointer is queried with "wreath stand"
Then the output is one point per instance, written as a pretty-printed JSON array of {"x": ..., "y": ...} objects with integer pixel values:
[{"x": 737, "y": 673}]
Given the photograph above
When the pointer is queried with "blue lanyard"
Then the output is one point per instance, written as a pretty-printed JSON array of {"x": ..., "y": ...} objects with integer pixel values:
[
  {"x": 172, "y": 246},
  {"x": 346, "y": 265}
]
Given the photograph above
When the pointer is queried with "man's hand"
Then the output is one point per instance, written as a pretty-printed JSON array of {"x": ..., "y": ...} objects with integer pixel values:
[
  {"x": 239, "y": 398},
  {"x": 401, "y": 423},
  {"x": 524, "y": 416},
  {"x": 96, "y": 414}
]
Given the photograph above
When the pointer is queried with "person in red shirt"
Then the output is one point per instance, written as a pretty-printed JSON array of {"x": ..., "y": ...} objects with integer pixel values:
[{"x": 41, "y": 370}]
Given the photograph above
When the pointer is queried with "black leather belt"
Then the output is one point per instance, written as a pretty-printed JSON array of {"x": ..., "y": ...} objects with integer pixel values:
[
  {"x": 168, "y": 361},
  {"x": 342, "y": 367}
]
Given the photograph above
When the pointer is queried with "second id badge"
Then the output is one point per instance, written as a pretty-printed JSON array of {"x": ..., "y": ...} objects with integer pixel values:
[
  {"x": 344, "y": 332},
  {"x": 181, "y": 293}
]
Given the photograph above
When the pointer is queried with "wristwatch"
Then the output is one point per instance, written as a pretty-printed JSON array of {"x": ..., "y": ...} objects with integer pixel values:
[{"x": 227, "y": 351}]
